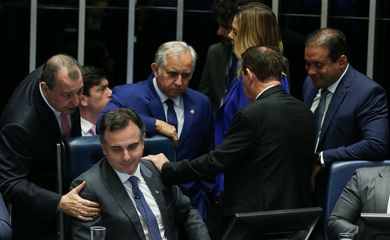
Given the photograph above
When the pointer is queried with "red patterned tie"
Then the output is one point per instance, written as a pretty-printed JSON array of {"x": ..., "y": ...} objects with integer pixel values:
[{"x": 65, "y": 127}]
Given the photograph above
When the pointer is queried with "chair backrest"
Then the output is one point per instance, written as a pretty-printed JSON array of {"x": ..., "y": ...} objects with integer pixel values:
[
  {"x": 75, "y": 155},
  {"x": 339, "y": 175},
  {"x": 78, "y": 154}
]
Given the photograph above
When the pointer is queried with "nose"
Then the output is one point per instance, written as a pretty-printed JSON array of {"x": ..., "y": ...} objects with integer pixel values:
[
  {"x": 310, "y": 70},
  {"x": 75, "y": 100},
  {"x": 126, "y": 155},
  {"x": 109, "y": 92},
  {"x": 179, "y": 80}
]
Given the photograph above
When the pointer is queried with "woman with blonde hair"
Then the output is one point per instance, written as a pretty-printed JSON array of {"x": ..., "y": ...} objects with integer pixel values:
[{"x": 254, "y": 24}]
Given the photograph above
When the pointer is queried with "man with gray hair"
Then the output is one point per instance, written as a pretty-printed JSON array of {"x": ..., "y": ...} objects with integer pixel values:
[
  {"x": 42, "y": 109},
  {"x": 167, "y": 106}
]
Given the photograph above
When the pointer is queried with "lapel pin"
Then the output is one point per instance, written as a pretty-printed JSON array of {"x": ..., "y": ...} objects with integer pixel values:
[
  {"x": 157, "y": 192},
  {"x": 192, "y": 111}
]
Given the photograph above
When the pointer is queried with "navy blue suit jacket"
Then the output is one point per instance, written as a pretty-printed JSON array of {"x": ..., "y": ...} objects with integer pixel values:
[
  {"x": 196, "y": 136},
  {"x": 355, "y": 125}
]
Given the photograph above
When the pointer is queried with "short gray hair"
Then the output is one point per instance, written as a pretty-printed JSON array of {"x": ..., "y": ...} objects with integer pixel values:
[{"x": 175, "y": 48}]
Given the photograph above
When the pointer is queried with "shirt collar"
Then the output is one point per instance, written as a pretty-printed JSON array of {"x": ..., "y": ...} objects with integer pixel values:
[
  {"x": 86, "y": 125},
  {"x": 265, "y": 90},
  {"x": 162, "y": 96},
  {"x": 124, "y": 177}
]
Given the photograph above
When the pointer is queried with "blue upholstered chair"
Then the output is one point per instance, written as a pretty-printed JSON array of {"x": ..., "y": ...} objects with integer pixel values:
[
  {"x": 339, "y": 175},
  {"x": 77, "y": 154}
]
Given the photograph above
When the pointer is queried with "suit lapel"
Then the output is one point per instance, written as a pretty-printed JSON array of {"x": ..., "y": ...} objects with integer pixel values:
[
  {"x": 155, "y": 106},
  {"x": 335, "y": 103},
  {"x": 115, "y": 186},
  {"x": 189, "y": 114},
  {"x": 155, "y": 188}
]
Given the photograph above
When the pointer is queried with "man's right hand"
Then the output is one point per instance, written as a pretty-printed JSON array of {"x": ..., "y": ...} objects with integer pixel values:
[
  {"x": 73, "y": 205},
  {"x": 168, "y": 130}
]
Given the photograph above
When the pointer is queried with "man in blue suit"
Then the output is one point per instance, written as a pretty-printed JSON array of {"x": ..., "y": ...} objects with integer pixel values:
[
  {"x": 354, "y": 124},
  {"x": 192, "y": 132}
]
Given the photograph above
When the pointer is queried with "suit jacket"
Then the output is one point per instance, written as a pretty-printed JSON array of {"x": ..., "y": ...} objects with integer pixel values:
[
  {"x": 195, "y": 138},
  {"x": 213, "y": 82},
  {"x": 355, "y": 125},
  {"x": 28, "y": 136},
  {"x": 268, "y": 148},
  {"x": 367, "y": 191},
  {"x": 119, "y": 215},
  {"x": 5, "y": 225}
]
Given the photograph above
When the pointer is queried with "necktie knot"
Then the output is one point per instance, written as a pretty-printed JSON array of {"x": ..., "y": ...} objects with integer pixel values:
[{"x": 93, "y": 130}]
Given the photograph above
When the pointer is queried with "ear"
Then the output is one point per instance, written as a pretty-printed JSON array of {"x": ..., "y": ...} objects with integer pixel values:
[
  {"x": 154, "y": 69},
  {"x": 250, "y": 74},
  {"x": 83, "y": 100},
  {"x": 45, "y": 89},
  {"x": 342, "y": 61}
]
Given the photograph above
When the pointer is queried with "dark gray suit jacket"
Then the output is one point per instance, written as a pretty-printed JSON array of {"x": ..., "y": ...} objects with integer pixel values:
[
  {"x": 213, "y": 81},
  {"x": 118, "y": 214},
  {"x": 367, "y": 191}
]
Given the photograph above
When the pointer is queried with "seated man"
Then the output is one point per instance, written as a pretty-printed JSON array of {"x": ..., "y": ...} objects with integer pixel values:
[
  {"x": 96, "y": 95},
  {"x": 367, "y": 191},
  {"x": 135, "y": 203},
  {"x": 167, "y": 106}
]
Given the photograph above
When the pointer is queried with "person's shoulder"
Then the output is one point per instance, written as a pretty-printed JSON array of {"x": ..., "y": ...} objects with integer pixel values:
[
  {"x": 197, "y": 95},
  {"x": 371, "y": 172},
  {"x": 218, "y": 47}
]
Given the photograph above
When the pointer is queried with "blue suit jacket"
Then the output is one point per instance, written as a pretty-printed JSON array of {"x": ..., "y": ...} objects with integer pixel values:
[
  {"x": 355, "y": 125},
  {"x": 195, "y": 138}
]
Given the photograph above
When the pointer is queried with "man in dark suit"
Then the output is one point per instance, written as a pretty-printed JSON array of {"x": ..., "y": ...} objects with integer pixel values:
[
  {"x": 173, "y": 68},
  {"x": 42, "y": 108},
  {"x": 354, "y": 125},
  {"x": 268, "y": 152},
  {"x": 367, "y": 191},
  {"x": 220, "y": 65},
  {"x": 108, "y": 183}
]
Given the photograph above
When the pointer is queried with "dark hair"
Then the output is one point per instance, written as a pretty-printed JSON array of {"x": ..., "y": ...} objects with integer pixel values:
[
  {"x": 118, "y": 119},
  {"x": 224, "y": 11},
  {"x": 265, "y": 62},
  {"x": 57, "y": 63},
  {"x": 92, "y": 76},
  {"x": 332, "y": 39}
]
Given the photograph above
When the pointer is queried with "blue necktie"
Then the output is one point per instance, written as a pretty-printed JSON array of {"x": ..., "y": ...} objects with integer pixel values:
[
  {"x": 171, "y": 114},
  {"x": 144, "y": 209},
  {"x": 320, "y": 110}
]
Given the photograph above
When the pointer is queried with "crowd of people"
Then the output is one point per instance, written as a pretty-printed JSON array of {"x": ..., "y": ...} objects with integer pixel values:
[{"x": 243, "y": 143}]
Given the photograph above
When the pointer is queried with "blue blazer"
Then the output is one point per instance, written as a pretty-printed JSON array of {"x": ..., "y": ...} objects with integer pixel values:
[
  {"x": 196, "y": 137},
  {"x": 356, "y": 122}
]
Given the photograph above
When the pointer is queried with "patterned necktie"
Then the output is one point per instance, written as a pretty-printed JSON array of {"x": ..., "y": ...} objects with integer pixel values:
[
  {"x": 320, "y": 110},
  {"x": 171, "y": 114},
  {"x": 144, "y": 209},
  {"x": 65, "y": 127}
]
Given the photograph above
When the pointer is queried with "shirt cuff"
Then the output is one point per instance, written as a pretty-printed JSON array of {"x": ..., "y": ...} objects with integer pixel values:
[{"x": 321, "y": 157}]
